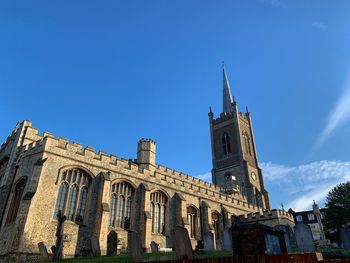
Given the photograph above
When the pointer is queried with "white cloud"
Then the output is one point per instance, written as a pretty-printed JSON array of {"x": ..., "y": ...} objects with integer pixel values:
[
  {"x": 297, "y": 186},
  {"x": 339, "y": 115},
  {"x": 300, "y": 185},
  {"x": 205, "y": 177},
  {"x": 319, "y": 25},
  {"x": 274, "y": 3}
]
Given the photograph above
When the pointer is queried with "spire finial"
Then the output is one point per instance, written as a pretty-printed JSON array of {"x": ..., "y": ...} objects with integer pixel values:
[{"x": 227, "y": 97}]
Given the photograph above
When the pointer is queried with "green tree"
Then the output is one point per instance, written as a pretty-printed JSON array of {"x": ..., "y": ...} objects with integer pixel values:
[{"x": 338, "y": 207}]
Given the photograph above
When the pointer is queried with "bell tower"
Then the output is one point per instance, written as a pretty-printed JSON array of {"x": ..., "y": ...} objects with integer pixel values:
[{"x": 235, "y": 162}]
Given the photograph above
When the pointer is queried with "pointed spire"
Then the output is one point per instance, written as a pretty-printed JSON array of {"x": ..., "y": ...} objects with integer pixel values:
[{"x": 227, "y": 97}]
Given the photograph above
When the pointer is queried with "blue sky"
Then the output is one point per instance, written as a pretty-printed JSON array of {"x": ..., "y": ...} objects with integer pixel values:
[{"x": 106, "y": 73}]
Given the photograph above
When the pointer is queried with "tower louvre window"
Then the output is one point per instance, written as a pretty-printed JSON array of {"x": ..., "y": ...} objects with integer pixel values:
[
  {"x": 226, "y": 146},
  {"x": 247, "y": 144},
  {"x": 72, "y": 194}
]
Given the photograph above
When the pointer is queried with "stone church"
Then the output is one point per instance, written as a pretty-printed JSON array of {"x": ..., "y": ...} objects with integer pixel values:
[{"x": 99, "y": 193}]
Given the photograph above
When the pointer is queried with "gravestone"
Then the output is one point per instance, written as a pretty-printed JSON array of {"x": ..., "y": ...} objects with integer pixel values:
[
  {"x": 303, "y": 236},
  {"x": 208, "y": 241},
  {"x": 112, "y": 244},
  {"x": 345, "y": 236},
  {"x": 154, "y": 247},
  {"x": 135, "y": 246},
  {"x": 227, "y": 239},
  {"x": 58, "y": 248},
  {"x": 43, "y": 251},
  {"x": 182, "y": 243}
]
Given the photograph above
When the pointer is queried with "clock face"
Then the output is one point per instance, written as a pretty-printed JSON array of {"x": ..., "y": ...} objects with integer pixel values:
[{"x": 253, "y": 176}]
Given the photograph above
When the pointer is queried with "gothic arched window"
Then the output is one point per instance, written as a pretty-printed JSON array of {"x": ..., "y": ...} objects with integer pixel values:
[
  {"x": 226, "y": 146},
  {"x": 72, "y": 194},
  {"x": 192, "y": 219},
  {"x": 247, "y": 144},
  {"x": 215, "y": 217},
  {"x": 3, "y": 165},
  {"x": 120, "y": 205},
  {"x": 158, "y": 208},
  {"x": 16, "y": 200}
]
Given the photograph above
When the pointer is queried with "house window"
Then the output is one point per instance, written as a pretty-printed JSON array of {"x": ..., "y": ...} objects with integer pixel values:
[
  {"x": 16, "y": 200},
  {"x": 299, "y": 218},
  {"x": 226, "y": 146},
  {"x": 120, "y": 205},
  {"x": 192, "y": 219},
  {"x": 72, "y": 194},
  {"x": 311, "y": 217},
  {"x": 215, "y": 221},
  {"x": 158, "y": 208}
]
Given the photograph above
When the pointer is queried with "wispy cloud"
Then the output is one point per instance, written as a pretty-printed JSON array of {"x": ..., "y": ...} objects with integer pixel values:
[
  {"x": 339, "y": 115},
  {"x": 274, "y": 3},
  {"x": 205, "y": 177},
  {"x": 299, "y": 185},
  {"x": 319, "y": 25}
]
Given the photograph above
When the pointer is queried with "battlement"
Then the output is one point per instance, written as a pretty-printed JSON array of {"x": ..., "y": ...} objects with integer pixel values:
[
  {"x": 147, "y": 140},
  {"x": 223, "y": 117},
  {"x": 50, "y": 143},
  {"x": 243, "y": 116},
  {"x": 273, "y": 214}
]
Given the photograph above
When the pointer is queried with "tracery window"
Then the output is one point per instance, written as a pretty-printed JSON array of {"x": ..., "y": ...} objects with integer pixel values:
[
  {"x": 192, "y": 219},
  {"x": 215, "y": 217},
  {"x": 3, "y": 164},
  {"x": 226, "y": 145},
  {"x": 120, "y": 205},
  {"x": 16, "y": 200},
  {"x": 158, "y": 208},
  {"x": 72, "y": 194},
  {"x": 247, "y": 144}
]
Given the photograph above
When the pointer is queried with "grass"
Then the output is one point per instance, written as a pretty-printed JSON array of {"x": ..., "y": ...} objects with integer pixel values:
[
  {"x": 148, "y": 257},
  {"x": 333, "y": 252}
]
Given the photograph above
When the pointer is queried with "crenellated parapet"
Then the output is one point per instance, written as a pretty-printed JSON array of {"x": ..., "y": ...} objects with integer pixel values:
[
  {"x": 275, "y": 215},
  {"x": 157, "y": 174}
]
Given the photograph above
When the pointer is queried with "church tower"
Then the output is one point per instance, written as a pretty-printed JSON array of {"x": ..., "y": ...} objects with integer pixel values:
[{"x": 235, "y": 162}]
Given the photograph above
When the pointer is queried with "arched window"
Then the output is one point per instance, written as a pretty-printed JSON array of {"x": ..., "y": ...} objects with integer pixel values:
[
  {"x": 72, "y": 194},
  {"x": 215, "y": 217},
  {"x": 226, "y": 146},
  {"x": 259, "y": 201},
  {"x": 3, "y": 165},
  {"x": 81, "y": 204},
  {"x": 247, "y": 144},
  {"x": 158, "y": 208},
  {"x": 192, "y": 219},
  {"x": 16, "y": 200},
  {"x": 120, "y": 205}
]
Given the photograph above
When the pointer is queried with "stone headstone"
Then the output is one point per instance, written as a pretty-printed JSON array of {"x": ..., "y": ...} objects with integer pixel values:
[
  {"x": 182, "y": 243},
  {"x": 112, "y": 244},
  {"x": 43, "y": 251},
  {"x": 303, "y": 236},
  {"x": 227, "y": 239},
  {"x": 135, "y": 246},
  {"x": 345, "y": 237},
  {"x": 154, "y": 247},
  {"x": 208, "y": 241},
  {"x": 95, "y": 246}
]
